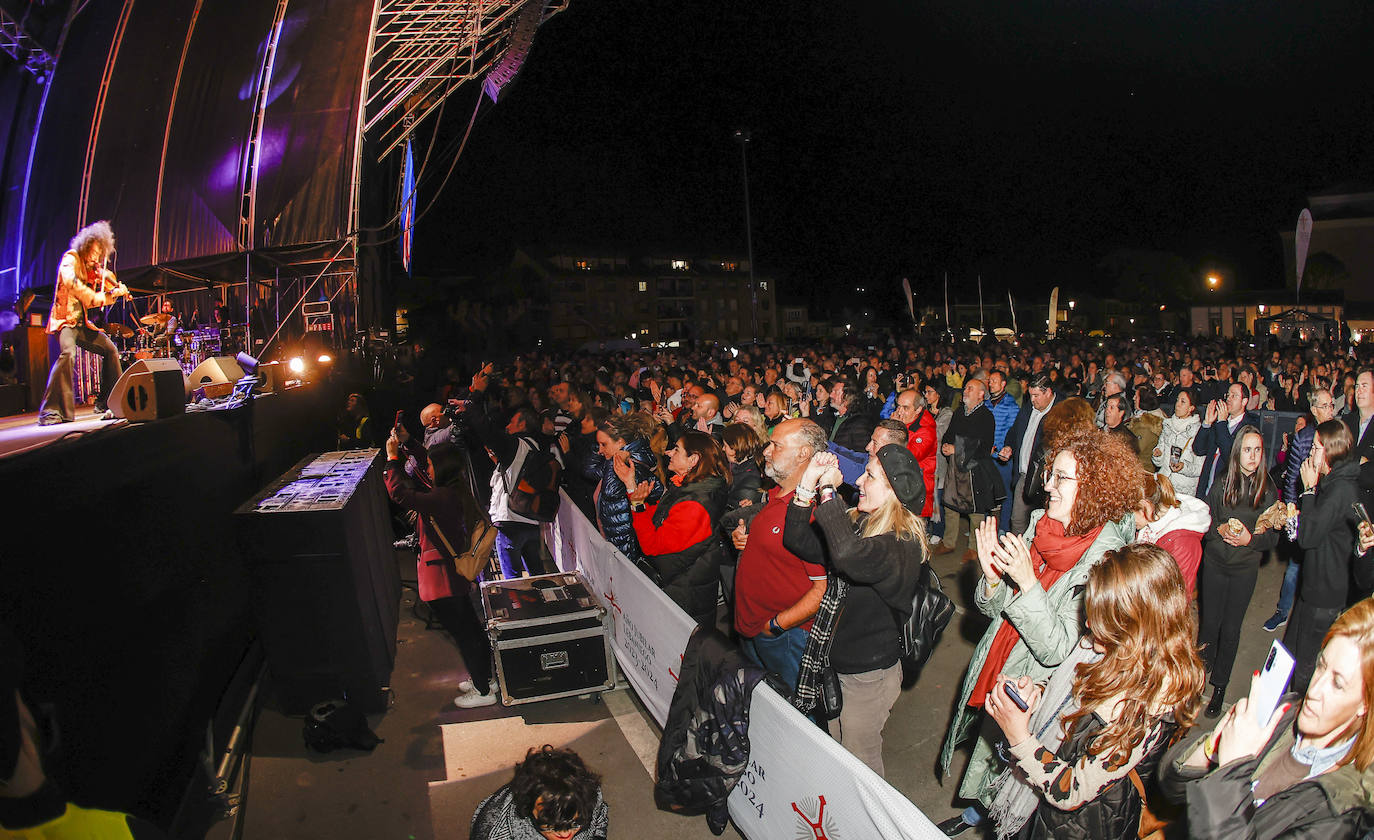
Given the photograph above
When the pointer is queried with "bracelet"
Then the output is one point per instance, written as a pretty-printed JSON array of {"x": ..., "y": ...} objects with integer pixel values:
[
  {"x": 774, "y": 627},
  {"x": 827, "y": 492},
  {"x": 804, "y": 498}
]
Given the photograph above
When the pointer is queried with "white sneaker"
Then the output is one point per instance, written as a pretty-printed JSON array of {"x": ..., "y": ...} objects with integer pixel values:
[
  {"x": 473, "y": 700},
  {"x": 465, "y": 686},
  {"x": 933, "y": 540}
]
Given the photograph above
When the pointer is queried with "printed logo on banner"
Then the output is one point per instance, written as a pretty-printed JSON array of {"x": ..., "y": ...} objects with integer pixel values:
[{"x": 813, "y": 829}]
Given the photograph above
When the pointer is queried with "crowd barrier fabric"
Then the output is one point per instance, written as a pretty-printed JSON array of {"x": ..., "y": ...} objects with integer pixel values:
[{"x": 800, "y": 782}]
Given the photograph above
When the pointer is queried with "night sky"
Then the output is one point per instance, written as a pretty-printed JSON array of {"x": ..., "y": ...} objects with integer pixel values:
[{"x": 1020, "y": 140}]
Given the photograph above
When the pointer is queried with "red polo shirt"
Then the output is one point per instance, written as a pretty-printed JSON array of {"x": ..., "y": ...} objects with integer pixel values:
[{"x": 769, "y": 578}]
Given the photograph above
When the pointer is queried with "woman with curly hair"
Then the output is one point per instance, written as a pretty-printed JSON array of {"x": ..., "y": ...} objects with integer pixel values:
[
  {"x": 1032, "y": 589},
  {"x": 1304, "y": 772},
  {"x": 553, "y": 795},
  {"x": 1109, "y": 709},
  {"x": 1065, "y": 416}
]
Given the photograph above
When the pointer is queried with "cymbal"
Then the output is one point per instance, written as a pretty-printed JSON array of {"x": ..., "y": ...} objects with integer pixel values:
[
  {"x": 119, "y": 331},
  {"x": 154, "y": 318}
]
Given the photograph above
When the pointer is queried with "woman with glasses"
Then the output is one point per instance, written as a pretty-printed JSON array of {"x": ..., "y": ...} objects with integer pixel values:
[
  {"x": 682, "y": 551},
  {"x": 1109, "y": 710},
  {"x": 1032, "y": 589},
  {"x": 1231, "y": 557}
]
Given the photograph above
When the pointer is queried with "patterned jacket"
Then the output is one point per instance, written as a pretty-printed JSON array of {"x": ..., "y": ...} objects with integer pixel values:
[{"x": 73, "y": 294}]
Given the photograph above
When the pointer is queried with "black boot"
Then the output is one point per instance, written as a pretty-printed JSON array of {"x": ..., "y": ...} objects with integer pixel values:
[{"x": 1218, "y": 697}]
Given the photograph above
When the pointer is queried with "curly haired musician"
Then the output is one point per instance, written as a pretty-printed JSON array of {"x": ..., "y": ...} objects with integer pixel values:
[{"x": 83, "y": 281}]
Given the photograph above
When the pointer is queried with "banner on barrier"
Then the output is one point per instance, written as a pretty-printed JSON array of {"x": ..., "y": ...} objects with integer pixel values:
[{"x": 800, "y": 782}]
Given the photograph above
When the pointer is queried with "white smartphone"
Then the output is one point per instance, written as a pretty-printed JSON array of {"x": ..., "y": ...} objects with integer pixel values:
[{"x": 1273, "y": 680}]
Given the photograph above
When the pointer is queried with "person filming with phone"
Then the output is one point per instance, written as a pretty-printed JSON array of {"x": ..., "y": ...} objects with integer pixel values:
[
  {"x": 1304, "y": 771},
  {"x": 1107, "y": 712}
]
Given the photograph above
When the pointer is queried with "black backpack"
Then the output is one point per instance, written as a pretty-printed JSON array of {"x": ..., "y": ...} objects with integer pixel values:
[
  {"x": 931, "y": 610},
  {"x": 535, "y": 493}
]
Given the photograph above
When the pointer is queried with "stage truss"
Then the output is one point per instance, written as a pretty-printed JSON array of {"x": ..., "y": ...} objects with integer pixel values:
[{"x": 424, "y": 50}]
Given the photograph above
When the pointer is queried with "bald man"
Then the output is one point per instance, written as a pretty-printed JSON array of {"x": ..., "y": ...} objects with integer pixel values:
[{"x": 705, "y": 416}]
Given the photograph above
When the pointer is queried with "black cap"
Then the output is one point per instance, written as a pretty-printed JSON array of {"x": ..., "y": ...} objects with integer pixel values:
[{"x": 904, "y": 474}]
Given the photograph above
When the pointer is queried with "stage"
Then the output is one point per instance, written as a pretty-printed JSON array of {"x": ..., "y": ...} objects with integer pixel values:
[{"x": 123, "y": 579}]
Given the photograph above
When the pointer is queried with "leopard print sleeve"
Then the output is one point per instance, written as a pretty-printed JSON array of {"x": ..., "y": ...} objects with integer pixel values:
[{"x": 1069, "y": 786}]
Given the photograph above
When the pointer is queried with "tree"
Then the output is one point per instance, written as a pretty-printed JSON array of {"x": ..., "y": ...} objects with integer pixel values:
[{"x": 1151, "y": 277}]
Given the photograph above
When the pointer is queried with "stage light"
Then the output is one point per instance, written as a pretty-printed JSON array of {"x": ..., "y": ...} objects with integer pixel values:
[
  {"x": 297, "y": 365},
  {"x": 325, "y": 358},
  {"x": 248, "y": 363}
]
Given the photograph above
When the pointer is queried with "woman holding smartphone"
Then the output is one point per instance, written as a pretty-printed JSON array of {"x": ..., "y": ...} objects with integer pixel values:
[
  {"x": 1032, "y": 589},
  {"x": 1326, "y": 535},
  {"x": 1173, "y": 454},
  {"x": 1109, "y": 709},
  {"x": 1301, "y": 773},
  {"x": 1231, "y": 557}
]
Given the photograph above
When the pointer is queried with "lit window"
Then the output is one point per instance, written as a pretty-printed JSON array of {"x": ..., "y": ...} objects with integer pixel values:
[
  {"x": 679, "y": 265},
  {"x": 644, "y": 285},
  {"x": 763, "y": 285},
  {"x": 584, "y": 265},
  {"x": 729, "y": 266}
]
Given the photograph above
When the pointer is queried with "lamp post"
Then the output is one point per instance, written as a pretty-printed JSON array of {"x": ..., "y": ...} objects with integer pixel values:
[{"x": 742, "y": 136}]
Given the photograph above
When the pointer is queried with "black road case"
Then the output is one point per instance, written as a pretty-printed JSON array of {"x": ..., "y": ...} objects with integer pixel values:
[{"x": 549, "y": 635}]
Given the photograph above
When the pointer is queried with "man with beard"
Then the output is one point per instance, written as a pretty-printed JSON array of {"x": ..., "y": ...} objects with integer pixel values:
[
  {"x": 1004, "y": 411},
  {"x": 776, "y": 592}
]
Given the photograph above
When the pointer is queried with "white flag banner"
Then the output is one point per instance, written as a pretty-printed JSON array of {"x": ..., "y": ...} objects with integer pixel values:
[
  {"x": 800, "y": 782},
  {"x": 1301, "y": 239}
]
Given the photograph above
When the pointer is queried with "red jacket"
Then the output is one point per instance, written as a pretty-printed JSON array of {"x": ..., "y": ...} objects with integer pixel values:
[
  {"x": 922, "y": 443},
  {"x": 1186, "y": 547},
  {"x": 443, "y": 507}
]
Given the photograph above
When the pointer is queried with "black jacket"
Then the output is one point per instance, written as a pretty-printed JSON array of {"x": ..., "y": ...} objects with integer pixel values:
[
  {"x": 744, "y": 484},
  {"x": 882, "y": 571},
  {"x": 1214, "y": 443},
  {"x": 689, "y": 576},
  {"x": 1364, "y": 448},
  {"x": 1018, "y": 431},
  {"x": 709, "y": 712},
  {"x": 1326, "y": 534},
  {"x": 853, "y": 429},
  {"x": 1217, "y": 551},
  {"x": 1114, "y": 814},
  {"x": 1220, "y": 801}
]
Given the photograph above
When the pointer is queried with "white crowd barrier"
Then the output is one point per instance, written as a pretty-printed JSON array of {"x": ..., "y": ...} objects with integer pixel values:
[{"x": 800, "y": 783}]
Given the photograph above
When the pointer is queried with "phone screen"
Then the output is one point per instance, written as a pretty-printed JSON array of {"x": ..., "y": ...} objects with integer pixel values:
[{"x": 1273, "y": 679}]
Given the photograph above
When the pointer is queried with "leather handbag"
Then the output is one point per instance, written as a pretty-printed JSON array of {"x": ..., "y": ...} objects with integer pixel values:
[
  {"x": 469, "y": 564},
  {"x": 930, "y": 614}
]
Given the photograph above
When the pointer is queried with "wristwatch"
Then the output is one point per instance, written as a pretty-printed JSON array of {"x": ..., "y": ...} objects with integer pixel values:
[
  {"x": 774, "y": 627},
  {"x": 637, "y": 507},
  {"x": 826, "y": 492}
]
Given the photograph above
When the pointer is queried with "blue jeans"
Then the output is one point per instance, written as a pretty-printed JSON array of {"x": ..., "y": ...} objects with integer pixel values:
[
  {"x": 933, "y": 528},
  {"x": 517, "y": 547},
  {"x": 1004, "y": 516},
  {"x": 1289, "y": 588},
  {"x": 780, "y": 654}
]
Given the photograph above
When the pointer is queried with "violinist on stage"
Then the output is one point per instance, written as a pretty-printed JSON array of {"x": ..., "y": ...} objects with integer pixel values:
[{"x": 83, "y": 281}]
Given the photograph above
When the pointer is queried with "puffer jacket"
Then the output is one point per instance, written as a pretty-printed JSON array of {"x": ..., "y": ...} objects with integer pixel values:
[
  {"x": 705, "y": 745},
  {"x": 923, "y": 443},
  {"x": 1178, "y": 433},
  {"x": 1004, "y": 413},
  {"x": 1114, "y": 814},
  {"x": 1179, "y": 531},
  {"x": 685, "y": 559},
  {"x": 744, "y": 484},
  {"x": 1335, "y": 805},
  {"x": 613, "y": 506}
]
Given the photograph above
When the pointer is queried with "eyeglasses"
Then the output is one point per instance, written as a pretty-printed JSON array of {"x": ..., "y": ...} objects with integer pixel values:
[{"x": 1055, "y": 477}]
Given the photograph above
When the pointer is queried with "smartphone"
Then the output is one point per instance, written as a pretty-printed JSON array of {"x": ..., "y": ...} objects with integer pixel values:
[
  {"x": 1010, "y": 690},
  {"x": 1273, "y": 679},
  {"x": 1362, "y": 513},
  {"x": 400, "y": 416}
]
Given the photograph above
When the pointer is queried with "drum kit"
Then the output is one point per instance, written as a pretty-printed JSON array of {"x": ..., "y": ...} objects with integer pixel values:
[{"x": 190, "y": 347}]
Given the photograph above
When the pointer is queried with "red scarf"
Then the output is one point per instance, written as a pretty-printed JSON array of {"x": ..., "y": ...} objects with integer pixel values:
[{"x": 1052, "y": 554}]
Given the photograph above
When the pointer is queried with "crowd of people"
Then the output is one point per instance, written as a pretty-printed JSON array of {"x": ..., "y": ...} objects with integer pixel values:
[{"x": 1116, "y": 500}]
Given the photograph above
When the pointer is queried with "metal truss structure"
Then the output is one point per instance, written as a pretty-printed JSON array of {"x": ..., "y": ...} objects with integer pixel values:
[
  {"x": 26, "y": 52},
  {"x": 421, "y": 51}
]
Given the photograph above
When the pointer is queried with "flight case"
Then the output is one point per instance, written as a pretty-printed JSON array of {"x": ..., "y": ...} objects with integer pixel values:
[{"x": 549, "y": 636}]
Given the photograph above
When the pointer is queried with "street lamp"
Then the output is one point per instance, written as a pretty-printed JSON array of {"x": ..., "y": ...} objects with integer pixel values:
[
  {"x": 1213, "y": 282},
  {"x": 742, "y": 137}
]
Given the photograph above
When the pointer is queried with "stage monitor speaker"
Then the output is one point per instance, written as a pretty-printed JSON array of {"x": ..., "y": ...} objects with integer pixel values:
[
  {"x": 219, "y": 370},
  {"x": 274, "y": 376},
  {"x": 149, "y": 390}
]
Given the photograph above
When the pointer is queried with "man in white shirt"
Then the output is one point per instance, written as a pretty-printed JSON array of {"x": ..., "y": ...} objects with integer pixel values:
[{"x": 1023, "y": 439}]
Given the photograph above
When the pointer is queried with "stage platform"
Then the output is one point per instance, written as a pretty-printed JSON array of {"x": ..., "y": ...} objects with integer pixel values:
[{"x": 122, "y": 578}]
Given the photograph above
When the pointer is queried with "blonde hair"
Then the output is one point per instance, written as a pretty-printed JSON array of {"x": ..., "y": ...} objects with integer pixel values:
[{"x": 892, "y": 517}]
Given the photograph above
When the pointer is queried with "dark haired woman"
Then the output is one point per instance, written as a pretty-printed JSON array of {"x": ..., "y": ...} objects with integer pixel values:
[
  {"x": 553, "y": 795},
  {"x": 682, "y": 551},
  {"x": 1326, "y": 535},
  {"x": 440, "y": 522},
  {"x": 628, "y": 433},
  {"x": 744, "y": 450},
  {"x": 1231, "y": 557}
]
